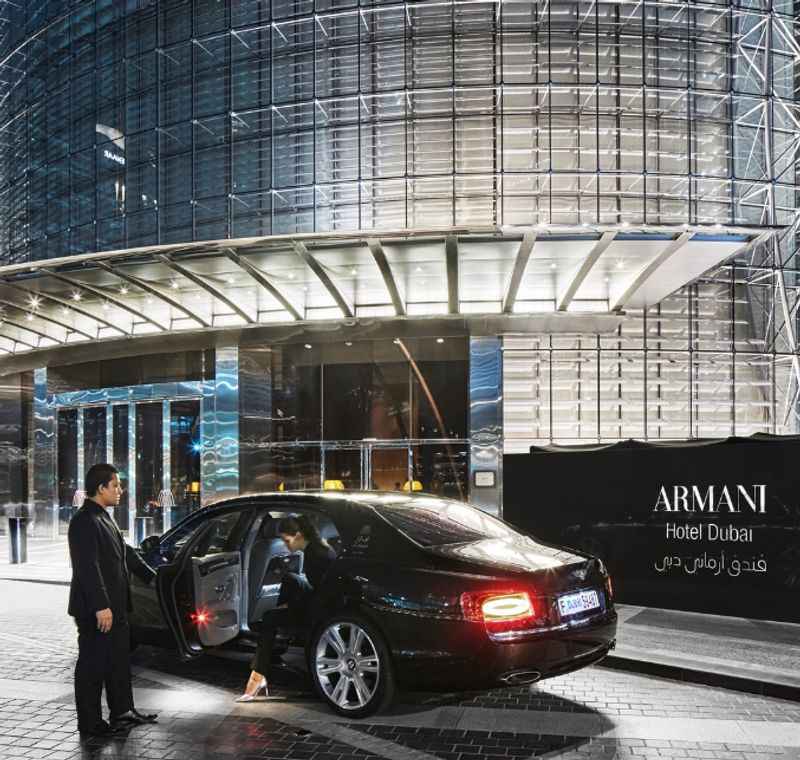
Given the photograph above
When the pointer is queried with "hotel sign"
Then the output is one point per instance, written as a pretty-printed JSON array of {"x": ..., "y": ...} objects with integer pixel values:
[{"x": 708, "y": 526}]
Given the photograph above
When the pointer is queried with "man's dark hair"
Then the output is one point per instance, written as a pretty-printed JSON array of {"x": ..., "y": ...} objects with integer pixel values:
[{"x": 98, "y": 475}]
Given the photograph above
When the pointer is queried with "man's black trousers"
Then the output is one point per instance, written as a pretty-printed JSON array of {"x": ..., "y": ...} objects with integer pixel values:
[{"x": 103, "y": 660}]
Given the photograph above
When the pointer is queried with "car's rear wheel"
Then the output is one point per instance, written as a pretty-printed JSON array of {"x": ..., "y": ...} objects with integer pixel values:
[{"x": 351, "y": 666}]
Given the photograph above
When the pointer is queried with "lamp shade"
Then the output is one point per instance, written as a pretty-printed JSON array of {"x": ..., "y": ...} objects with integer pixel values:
[{"x": 165, "y": 498}]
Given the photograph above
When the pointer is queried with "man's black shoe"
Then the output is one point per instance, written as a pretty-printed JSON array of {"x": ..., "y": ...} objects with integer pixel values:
[
  {"x": 103, "y": 731},
  {"x": 133, "y": 718}
]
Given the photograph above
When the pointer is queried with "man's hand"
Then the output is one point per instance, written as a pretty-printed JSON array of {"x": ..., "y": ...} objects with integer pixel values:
[{"x": 104, "y": 620}]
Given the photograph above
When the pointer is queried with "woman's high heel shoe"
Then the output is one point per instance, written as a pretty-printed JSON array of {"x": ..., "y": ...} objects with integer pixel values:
[{"x": 254, "y": 697}]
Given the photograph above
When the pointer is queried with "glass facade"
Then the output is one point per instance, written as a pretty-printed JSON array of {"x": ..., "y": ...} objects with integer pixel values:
[
  {"x": 381, "y": 414},
  {"x": 159, "y": 121},
  {"x": 150, "y": 122},
  {"x": 705, "y": 363}
]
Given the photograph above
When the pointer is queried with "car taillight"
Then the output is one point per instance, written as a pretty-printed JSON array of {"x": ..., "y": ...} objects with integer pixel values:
[
  {"x": 609, "y": 587},
  {"x": 498, "y": 610}
]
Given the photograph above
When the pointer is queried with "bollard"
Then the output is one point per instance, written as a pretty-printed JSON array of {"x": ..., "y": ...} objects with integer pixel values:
[
  {"x": 17, "y": 540},
  {"x": 143, "y": 529}
]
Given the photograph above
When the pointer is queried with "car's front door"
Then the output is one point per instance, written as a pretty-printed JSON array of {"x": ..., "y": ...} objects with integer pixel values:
[{"x": 200, "y": 592}]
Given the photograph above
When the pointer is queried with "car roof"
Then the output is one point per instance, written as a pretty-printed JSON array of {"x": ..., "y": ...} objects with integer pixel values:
[
  {"x": 325, "y": 501},
  {"x": 329, "y": 502}
]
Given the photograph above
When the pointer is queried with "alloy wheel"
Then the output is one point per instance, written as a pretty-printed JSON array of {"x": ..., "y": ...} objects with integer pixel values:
[{"x": 347, "y": 665}]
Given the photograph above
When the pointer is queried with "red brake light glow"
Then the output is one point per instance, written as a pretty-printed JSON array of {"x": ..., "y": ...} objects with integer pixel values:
[
  {"x": 201, "y": 617},
  {"x": 507, "y": 608},
  {"x": 609, "y": 587},
  {"x": 499, "y": 611}
]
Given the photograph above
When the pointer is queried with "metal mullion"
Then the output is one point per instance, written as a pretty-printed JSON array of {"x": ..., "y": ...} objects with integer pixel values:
[
  {"x": 549, "y": 112},
  {"x": 407, "y": 37},
  {"x": 359, "y": 127},
  {"x": 159, "y": 109},
  {"x": 645, "y": 178},
  {"x": 644, "y": 371},
  {"x": 689, "y": 108},
  {"x": 193, "y": 117},
  {"x": 498, "y": 89},
  {"x": 618, "y": 116},
  {"x": 314, "y": 28},
  {"x": 597, "y": 108},
  {"x": 453, "y": 108},
  {"x": 229, "y": 124}
]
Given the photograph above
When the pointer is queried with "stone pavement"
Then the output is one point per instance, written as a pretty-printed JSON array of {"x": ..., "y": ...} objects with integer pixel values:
[
  {"x": 594, "y": 713},
  {"x": 752, "y": 655}
]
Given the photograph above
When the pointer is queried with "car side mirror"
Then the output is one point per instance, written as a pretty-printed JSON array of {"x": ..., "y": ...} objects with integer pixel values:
[{"x": 149, "y": 543}]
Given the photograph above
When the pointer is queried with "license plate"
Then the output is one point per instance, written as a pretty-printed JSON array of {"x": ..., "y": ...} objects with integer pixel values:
[{"x": 571, "y": 604}]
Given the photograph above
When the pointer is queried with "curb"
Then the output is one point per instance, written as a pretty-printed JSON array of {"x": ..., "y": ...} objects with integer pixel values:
[
  {"x": 46, "y": 581},
  {"x": 704, "y": 677}
]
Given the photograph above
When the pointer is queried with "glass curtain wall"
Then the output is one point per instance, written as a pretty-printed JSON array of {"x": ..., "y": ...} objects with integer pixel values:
[
  {"x": 67, "y": 466},
  {"x": 149, "y": 462},
  {"x": 131, "y": 124},
  {"x": 705, "y": 363},
  {"x": 388, "y": 414},
  {"x": 185, "y": 446},
  {"x": 120, "y": 455}
]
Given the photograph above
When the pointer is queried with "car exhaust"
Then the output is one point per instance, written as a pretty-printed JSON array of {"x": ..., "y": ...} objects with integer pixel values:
[{"x": 520, "y": 677}]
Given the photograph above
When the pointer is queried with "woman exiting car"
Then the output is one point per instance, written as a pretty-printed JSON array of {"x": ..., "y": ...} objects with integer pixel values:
[{"x": 294, "y": 600}]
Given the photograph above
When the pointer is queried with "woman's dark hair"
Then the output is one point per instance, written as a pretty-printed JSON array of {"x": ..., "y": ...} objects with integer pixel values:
[{"x": 301, "y": 524}]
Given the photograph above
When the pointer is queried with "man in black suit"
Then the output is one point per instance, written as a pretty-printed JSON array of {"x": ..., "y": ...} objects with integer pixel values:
[{"x": 100, "y": 600}]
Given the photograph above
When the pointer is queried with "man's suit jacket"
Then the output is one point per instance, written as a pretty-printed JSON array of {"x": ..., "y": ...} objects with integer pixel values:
[{"x": 100, "y": 563}]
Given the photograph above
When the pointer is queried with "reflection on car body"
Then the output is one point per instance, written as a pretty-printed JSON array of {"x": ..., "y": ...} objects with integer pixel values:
[{"x": 425, "y": 594}]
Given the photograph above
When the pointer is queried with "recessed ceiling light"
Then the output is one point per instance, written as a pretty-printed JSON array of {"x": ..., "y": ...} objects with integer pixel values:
[
  {"x": 76, "y": 296},
  {"x": 620, "y": 264},
  {"x": 348, "y": 343},
  {"x": 291, "y": 275},
  {"x": 174, "y": 285},
  {"x": 418, "y": 269},
  {"x": 34, "y": 301},
  {"x": 396, "y": 341},
  {"x": 626, "y": 224},
  {"x": 553, "y": 265},
  {"x": 29, "y": 317},
  {"x": 440, "y": 340},
  {"x": 123, "y": 290},
  {"x": 105, "y": 305},
  {"x": 64, "y": 310},
  {"x": 149, "y": 299},
  {"x": 308, "y": 345},
  {"x": 354, "y": 271}
]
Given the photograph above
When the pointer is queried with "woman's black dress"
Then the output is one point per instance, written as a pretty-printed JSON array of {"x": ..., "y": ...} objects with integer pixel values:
[{"x": 296, "y": 593}]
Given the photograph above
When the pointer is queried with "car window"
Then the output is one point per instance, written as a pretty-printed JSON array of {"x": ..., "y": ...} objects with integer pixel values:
[
  {"x": 324, "y": 524},
  {"x": 224, "y": 534},
  {"x": 437, "y": 522},
  {"x": 178, "y": 538}
]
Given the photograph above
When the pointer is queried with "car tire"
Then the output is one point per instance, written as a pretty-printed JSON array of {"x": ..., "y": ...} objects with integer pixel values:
[{"x": 353, "y": 683}]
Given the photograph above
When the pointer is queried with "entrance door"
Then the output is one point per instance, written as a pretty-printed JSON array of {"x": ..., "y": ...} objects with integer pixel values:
[{"x": 366, "y": 466}]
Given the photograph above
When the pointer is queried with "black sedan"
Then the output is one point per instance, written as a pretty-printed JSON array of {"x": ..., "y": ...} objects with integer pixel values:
[{"x": 425, "y": 594}]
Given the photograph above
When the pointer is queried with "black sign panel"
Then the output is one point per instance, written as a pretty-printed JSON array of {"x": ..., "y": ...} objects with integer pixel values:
[{"x": 707, "y": 526}]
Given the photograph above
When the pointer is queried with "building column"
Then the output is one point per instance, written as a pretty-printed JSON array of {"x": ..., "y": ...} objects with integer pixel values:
[
  {"x": 219, "y": 461},
  {"x": 43, "y": 499},
  {"x": 486, "y": 424}
]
